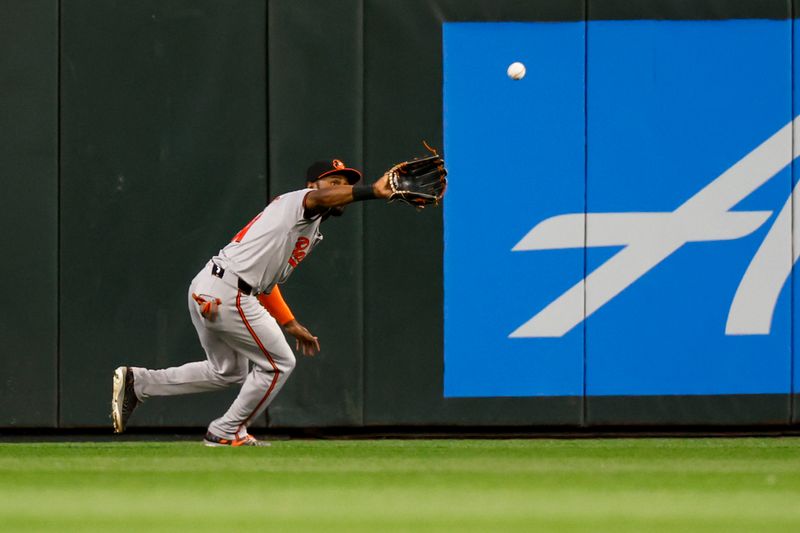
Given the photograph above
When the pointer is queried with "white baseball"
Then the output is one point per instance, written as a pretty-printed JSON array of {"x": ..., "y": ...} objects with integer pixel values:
[{"x": 516, "y": 71}]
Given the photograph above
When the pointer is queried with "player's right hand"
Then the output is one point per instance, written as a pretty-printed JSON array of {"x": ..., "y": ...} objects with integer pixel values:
[{"x": 305, "y": 342}]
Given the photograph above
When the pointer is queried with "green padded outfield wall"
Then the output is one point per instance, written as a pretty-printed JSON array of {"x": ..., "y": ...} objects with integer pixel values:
[
  {"x": 404, "y": 365},
  {"x": 28, "y": 238},
  {"x": 163, "y": 138},
  {"x": 315, "y": 113},
  {"x": 336, "y": 89},
  {"x": 139, "y": 136}
]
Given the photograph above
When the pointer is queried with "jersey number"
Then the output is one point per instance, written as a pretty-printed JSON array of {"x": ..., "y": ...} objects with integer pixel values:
[{"x": 239, "y": 236}]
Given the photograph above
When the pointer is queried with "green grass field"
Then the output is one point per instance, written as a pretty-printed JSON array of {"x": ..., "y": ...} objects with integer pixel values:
[{"x": 641, "y": 485}]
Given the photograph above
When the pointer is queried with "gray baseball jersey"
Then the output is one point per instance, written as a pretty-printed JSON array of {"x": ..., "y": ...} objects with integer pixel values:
[{"x": 267, "y": 250}]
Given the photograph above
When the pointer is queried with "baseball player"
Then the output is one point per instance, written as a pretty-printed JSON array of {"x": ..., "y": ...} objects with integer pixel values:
[{"x": 239, "y": 313}]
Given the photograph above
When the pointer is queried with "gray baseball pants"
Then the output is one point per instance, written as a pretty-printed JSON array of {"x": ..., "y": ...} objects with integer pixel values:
[{"x": 242, "y": 332}]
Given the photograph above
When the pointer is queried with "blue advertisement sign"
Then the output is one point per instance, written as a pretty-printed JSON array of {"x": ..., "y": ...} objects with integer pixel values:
[{"x": 632, "y": 233}]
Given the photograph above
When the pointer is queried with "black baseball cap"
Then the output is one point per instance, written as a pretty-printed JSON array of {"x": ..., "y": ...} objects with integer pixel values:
[{"x": 321, "y": 169}]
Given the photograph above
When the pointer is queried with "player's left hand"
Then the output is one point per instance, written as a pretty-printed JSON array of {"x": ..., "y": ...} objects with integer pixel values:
[
  {"x": 305, "y": 342},
  {"x": 417, "y": 182}
]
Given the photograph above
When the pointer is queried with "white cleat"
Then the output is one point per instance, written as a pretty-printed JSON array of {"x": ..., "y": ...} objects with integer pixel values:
[{"x": 123, "y": 398}]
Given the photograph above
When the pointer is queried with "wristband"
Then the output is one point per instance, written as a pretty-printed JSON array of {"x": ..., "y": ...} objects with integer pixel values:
[
  {"x": 363, "y": 192},
  {"x": 276, "y": 305}
]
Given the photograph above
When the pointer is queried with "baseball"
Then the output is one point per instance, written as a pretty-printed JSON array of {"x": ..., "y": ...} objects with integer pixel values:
[{"x": 516, "y": 71}]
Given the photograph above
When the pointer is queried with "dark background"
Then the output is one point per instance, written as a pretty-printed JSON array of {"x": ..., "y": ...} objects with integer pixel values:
[{"x": 136, "y": 137}]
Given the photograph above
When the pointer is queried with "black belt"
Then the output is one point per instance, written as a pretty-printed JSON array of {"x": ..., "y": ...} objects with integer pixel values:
[{"x": 243, "y": 286}]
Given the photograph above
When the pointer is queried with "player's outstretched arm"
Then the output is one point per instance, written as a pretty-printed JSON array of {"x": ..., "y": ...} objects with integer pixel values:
[{"x": 340, "y": 195}]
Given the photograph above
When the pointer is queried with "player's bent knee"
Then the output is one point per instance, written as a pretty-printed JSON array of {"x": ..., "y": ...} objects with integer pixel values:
[
  {"x": 280, "y": 359},
  {"x": 286, "y": 364},
  {"x": 291, "y": 362}
]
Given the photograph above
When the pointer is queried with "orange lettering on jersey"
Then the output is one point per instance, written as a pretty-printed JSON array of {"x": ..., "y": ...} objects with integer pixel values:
[
  {"x": 239, "y": 236},
  {"x": 298, "y": 254}
]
